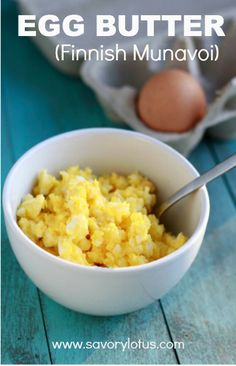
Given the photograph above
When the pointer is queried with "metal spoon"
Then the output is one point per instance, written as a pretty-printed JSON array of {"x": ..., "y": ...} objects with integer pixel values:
[{"x": 197, "y": 183}]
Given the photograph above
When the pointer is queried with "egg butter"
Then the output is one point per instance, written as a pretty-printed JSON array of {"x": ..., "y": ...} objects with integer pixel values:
[{"x": 102, "y": 221}]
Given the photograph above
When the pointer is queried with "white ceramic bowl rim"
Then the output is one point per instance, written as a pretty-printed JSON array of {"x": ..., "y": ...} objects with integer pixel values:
[{"x": 9, "y": 215}]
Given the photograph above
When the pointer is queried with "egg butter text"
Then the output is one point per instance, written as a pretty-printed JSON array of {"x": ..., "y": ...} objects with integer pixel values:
[{"x": 74, "y": 25}]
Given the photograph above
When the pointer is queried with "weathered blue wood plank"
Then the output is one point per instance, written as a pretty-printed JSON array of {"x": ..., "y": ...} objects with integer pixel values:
[
  {"x": 23, "y": 336},
  {"x": 146, "y": 325},
  {"x": 6, "y": 161},
  {"x": 222, "y": 150},
  {"x": 6, "y": 146},
  {"x": 222, "y": 207},
  {"x": 44, "y": 103},
  {"x": 64, "y": 324},
  {"x": 201, "y": 310}
]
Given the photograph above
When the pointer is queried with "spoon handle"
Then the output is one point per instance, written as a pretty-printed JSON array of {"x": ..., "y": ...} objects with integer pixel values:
[{"x": 200, "y": 181}]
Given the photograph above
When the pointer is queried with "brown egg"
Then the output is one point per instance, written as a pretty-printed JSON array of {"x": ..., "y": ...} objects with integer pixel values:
[{"x": 171, "y": 101}]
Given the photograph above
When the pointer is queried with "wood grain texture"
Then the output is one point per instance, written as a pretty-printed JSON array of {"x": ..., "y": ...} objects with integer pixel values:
[
  {"x": 23, "y": 334},
  {"x": 41, "y": 110},
  {"x": 147, "y": 325},
  {"x": 222, "y": 206},
  {"x": 222, "y": 149},
  {"x": 7, "y": 160},
  {"x": 201, "y": 310},
  {"x": 55, "y": 111}
]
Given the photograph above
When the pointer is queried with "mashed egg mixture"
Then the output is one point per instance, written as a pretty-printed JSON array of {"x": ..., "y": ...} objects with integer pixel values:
[{"x": 104, "y": 221}]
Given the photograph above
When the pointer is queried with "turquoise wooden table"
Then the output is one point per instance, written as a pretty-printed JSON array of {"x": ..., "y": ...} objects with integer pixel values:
[{"x": 39, "y": 102}]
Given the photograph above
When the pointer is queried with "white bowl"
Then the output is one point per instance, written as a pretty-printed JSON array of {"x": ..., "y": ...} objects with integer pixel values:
[{"x": 95, "y": 290}]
